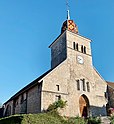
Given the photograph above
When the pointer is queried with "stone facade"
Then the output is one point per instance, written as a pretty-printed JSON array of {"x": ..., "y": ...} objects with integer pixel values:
[
  {"x": 66, "y": 75},
  {"x": 72, "y": 77}
]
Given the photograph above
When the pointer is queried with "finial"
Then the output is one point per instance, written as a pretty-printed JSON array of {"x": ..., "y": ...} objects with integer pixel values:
[{"x": 68, "y": 13}]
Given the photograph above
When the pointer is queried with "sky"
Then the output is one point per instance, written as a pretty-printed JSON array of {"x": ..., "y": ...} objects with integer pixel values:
[{"x": 28, "y": 27}]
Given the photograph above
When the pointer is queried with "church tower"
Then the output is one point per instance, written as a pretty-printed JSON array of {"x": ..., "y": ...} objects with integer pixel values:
[
  {"x": 74, "y": 50},
  {"x": 70, "y": 40}
]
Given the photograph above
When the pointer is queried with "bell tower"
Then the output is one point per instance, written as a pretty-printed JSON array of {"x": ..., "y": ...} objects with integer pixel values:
[{"x": 69, "y": 44}]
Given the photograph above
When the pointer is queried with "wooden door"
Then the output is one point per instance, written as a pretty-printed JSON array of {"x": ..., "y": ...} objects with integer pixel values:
[{"x": 84, "y": 106}]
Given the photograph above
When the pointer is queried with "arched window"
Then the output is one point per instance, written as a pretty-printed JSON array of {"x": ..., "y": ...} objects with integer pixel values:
[
  {"x": 78, "y": 85},
  {"x": 77, "y": 46},
  {"x": 83, "y": 84},
  {"x": 88, "y": 87},
  {"x": 84, "y": 49},
  {"x": 74, "y": 45}
]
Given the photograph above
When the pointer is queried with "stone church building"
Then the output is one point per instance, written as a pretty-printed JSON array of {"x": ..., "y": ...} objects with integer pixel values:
[{"x": 72, "y": 78}]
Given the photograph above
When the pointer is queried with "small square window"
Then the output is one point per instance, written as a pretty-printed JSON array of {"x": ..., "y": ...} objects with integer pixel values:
[
  {"x": 58, "y": 88},
  {"x": 58, "y": 97}
]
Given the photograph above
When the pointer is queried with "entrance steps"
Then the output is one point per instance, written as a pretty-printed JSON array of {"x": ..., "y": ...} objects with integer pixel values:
[{"x": 105, "y": 120}]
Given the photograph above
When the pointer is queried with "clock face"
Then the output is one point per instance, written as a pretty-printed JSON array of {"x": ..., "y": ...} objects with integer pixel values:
[{"x": 80, "y": 59}]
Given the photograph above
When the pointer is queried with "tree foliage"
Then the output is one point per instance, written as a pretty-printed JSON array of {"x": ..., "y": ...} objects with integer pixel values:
[{"x": 58, "y": 104}]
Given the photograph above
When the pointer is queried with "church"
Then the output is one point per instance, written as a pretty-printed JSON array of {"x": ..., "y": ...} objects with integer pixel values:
[{"x": 72, "y": 78}]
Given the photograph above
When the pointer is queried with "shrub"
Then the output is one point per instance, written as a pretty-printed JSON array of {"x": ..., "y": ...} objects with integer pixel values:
[
  {"x": 47, "y": 118},
  {"x": 94, "y": 120},
  {"x": 77, "y": 120},
  {"x": 11, "y": 120},
  {"x": 40, "y": 119},
  {"x": 112, "y": 119},
  {"x": 58, "y": 104}
]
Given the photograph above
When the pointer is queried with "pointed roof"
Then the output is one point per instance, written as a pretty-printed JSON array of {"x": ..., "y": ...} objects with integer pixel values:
[{"x": 69, "y": 24}]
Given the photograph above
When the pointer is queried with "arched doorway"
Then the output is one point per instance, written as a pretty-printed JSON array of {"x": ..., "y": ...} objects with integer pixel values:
[{"x": 84, "y": 105}]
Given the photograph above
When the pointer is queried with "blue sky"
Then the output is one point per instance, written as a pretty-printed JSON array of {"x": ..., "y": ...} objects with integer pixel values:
[{"x": 28, "y": 27}]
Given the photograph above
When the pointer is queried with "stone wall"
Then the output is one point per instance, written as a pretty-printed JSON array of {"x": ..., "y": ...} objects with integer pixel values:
[
  {"x": 58, "y": 51},
  {"x": 34, "y": 100},
  {"x": 20, "y": 103}
]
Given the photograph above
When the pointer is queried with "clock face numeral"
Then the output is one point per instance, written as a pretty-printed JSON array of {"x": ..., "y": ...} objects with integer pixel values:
[{"x": 80, "y": 59}]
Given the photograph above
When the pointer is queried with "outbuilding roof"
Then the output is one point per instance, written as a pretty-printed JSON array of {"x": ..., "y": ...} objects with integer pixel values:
[{"x": 111, "y": 84}]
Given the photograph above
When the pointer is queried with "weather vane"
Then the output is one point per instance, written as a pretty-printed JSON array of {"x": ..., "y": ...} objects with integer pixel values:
[{"x": 68, "y": 13}]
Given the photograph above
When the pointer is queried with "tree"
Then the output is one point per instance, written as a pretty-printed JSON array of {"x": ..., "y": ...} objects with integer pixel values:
[{"x": 58, "y": 104}]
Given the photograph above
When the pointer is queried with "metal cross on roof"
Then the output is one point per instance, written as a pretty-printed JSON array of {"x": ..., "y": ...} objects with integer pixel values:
[{"x": 68, "y": 13}]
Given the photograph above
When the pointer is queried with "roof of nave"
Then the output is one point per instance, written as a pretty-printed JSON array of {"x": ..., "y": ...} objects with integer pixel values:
[{"x": 30, "y": 85}]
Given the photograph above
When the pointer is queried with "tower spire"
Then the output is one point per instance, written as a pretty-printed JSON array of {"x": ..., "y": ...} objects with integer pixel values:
[
  {"x": 68, "y": 12},
  {"x": 69, "y": 24}
]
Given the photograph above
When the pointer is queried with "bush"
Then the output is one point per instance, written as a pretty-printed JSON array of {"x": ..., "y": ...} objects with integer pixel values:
[
  {"x": 112, "y": 119},
  {"x": 47, "y": 118},
  {"x": 40, "y": 119},
  {"x": 58, "y": 104},
  {"x": 11, "y": 120},
  {"x": 77, "y": 120},
  {"x": 94, "y": 120}
]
